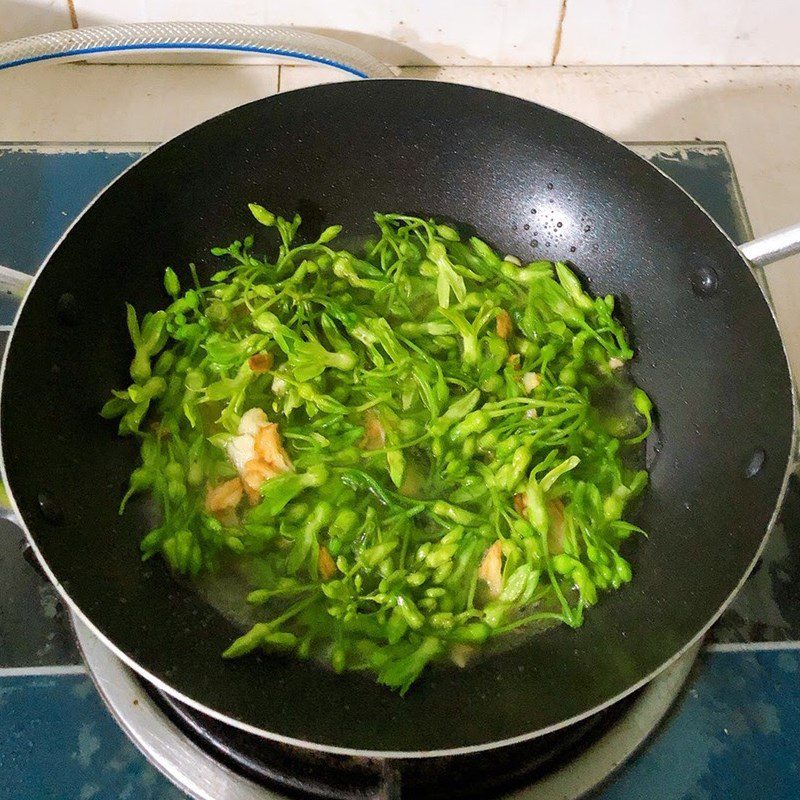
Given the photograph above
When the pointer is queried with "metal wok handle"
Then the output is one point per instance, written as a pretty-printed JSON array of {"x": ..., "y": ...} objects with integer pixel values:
[
  {"x": 13, "y": 284},
  {"x": 772, "y": 247}
]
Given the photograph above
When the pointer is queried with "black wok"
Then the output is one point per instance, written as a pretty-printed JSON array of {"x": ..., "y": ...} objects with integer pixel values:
[{"x": 533, "y": 183}]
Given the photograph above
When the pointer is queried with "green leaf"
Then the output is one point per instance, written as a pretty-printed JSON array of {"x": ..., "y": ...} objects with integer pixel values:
[
  {"x": 133, "y": 325},
  {"x": 447, "y": 233},
  {"x": 275, "y": 494},
  {"x": 310, "y": 359},
  {"x": 397, "y": 466},
  {"x": 573, "y": 287},
  {"x": 303, "y": 542},
  {"x": 329, "y": 234},
  {"x": 373, "y": 556},
  {"x": 515, "y": 585},
  {"x": 115, "y": 407},
  {"x": 248, "y": 642},
  {"x": 261, "y": 215},
  {"x": 153, "y": 334},
  {"x": 400, "y": 672},
  {"x": 171, "y": 282},
  {"x": 561, "y": 469}
]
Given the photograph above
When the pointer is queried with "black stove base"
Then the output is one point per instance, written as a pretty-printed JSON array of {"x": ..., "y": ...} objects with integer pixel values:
[{"x": 302, "y": 773}]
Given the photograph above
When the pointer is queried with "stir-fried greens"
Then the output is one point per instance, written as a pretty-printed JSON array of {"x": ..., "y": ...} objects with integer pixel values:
[{"x": 400, "y": 454}]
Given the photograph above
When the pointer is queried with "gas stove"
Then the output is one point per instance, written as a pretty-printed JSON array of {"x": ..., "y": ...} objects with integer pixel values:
[
  {"x": 721, "y": 726},
  {"x": 210, "y": 760}
]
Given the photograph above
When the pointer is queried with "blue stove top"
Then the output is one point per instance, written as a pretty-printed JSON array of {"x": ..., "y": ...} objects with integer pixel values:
[{"x": 734, "y": 733}]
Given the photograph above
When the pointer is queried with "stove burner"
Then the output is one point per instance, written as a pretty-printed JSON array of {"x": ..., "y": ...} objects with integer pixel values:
[
  {"x": 209, "y": 760},
  {"x": 298, "y": 772}
]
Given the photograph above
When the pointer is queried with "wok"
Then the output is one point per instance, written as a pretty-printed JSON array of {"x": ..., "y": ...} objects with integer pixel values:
[{"x": 532, "y": 182}]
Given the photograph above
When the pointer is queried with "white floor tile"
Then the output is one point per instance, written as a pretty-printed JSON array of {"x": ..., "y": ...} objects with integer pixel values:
[{"x": 85, "y": 103}]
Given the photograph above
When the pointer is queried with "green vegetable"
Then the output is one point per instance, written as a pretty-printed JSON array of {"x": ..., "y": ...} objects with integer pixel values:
[
  {"x": 412, "y": 442},
  {"x": 171, "y": 283},
  {"x": 276, "y": 493},
  {"x": 310, "y": 359}
]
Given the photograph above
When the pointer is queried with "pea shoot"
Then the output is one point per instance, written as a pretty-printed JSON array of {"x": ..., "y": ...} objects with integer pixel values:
[{"x": 406, "y": 451}]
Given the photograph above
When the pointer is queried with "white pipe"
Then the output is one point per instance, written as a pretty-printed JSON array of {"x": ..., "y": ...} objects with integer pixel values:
[{"x": 214, "y": 36}]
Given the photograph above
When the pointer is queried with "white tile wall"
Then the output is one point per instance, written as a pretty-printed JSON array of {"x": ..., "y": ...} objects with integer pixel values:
[
  {"x": 452, "y": 32},
  {"x": 681, "y": 32},
  {"x": 28, "y": 17}
]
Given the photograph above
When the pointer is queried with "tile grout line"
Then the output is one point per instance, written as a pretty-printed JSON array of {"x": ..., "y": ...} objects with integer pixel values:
[
  {"x": 751, "y": 647},
  {"x": 51, "y": 670},
  {"x": 73, "y": 15},
  {"x": 559, "y": 30}
]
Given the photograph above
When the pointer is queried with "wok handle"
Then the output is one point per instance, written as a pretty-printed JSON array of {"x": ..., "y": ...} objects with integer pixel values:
[
  {"x": 14, "y": 283},
  {"x": 772, "y": 247},
  {"x": 6, "y": 507},
  {"x": 7, "y": 512}
]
